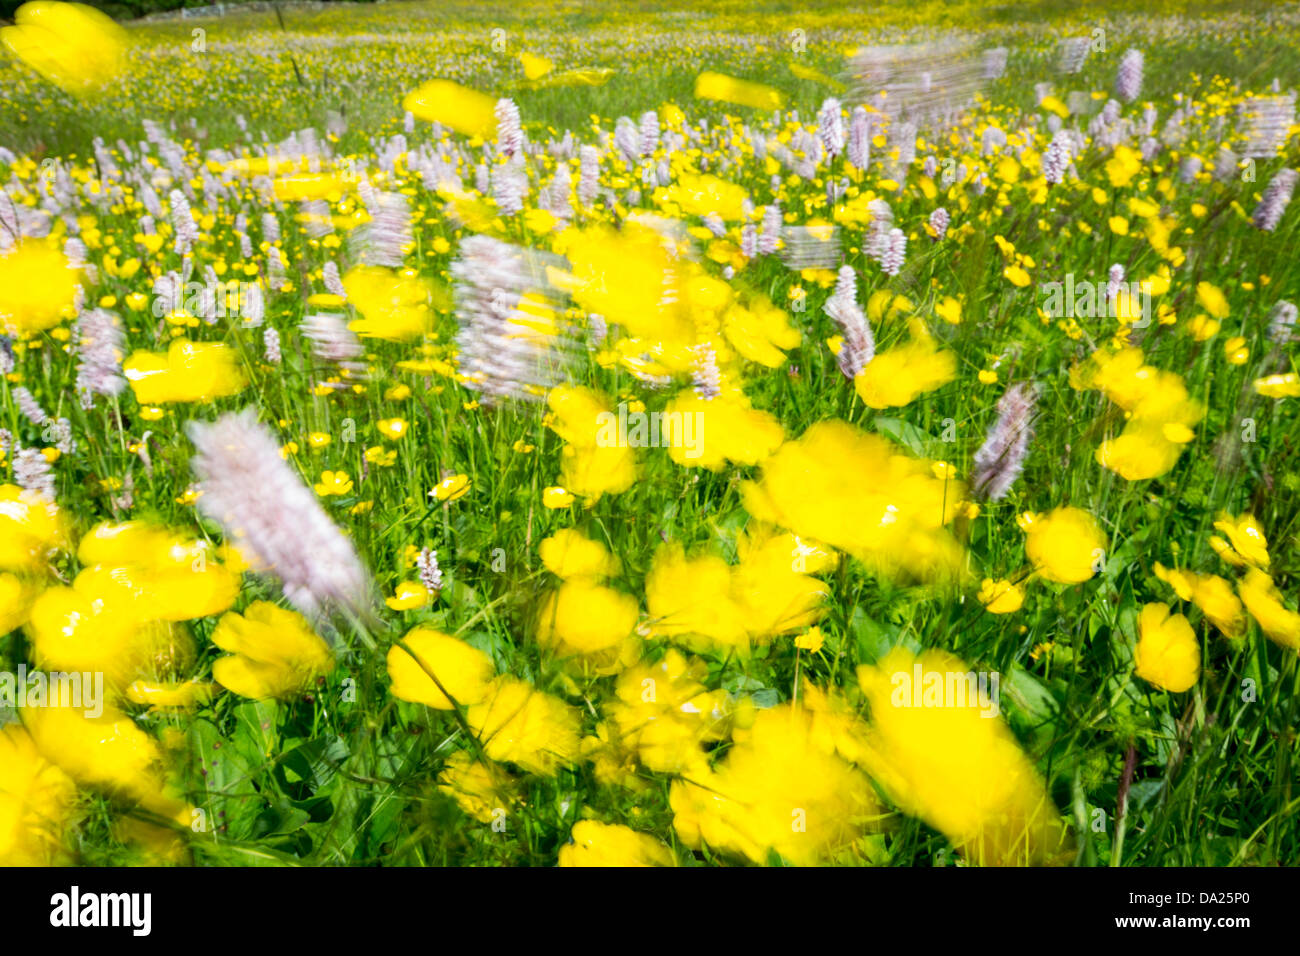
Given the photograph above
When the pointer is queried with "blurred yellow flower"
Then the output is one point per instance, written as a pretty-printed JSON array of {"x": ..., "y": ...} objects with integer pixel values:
[
  {"x": 273, "y": 653},
  {"x": 38, "y": 285},
  {"x": 74, "y": 46},
  {"x": 31, "y": 528},
  {"x": 570, "y": 554},
  {"x": 717, "y": 86},
  {"x": 1286, "y": 385},
  {"x": 1065, "y": 545},
  {"x": 943, "y": 756},
  {"x": 1168, "y": 654},
  {"x": 1212, "y": 594},
  {"x": 860, "y": 493},
  {"x": 1275, "y": 619},
  {"x": 1001, "y": 597},
  {"x": 392, "y": 428},
  {"x": 900, "y": 374},
  {"x": 583, "y": 617},
  {"x": 535, "y": 66},
  {"x": 1212, "y": 300},
  {"x": 38, "y": 804},
  {"x": 812, "y": 640},
  {"x": 463, "y": 671},
  {"x": 450, "y": 104},
  {"x": 408, "y": 596},
  {"x": 451, "y": 488},
  {"x": 556, "y": 497},
  {"x": 187, "y": 372},
  {"x": 780, "y": 789},
  {"x": 109, "y": 753},
  {"x": 521, "y": 725},
  {"x": 612, "y": 845},
  {"x": 1246, "y": 543},
  {"x": 333, "y": 483}
]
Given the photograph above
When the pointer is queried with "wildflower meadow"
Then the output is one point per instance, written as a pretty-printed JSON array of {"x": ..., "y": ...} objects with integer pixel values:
[{"x": 650, "y": 434}]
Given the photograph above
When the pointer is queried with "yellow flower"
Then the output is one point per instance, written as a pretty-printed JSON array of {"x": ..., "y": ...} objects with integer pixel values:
[
  {"x": 16, "y": 597},
  {"x": 1119, "y": 225},
  {"x": 1001, "y": 597},
  {"x": 699, "y": 194},
  {"x": 1016, "y": 275},
  {"x": 185, "y": 695},
  {"x": 772, "y": 584},
  {"x": 590, "y": 467},
  {"x": 394, "y": 305},
  {"x": 859, "y": 493},
  {"x": 1054, "y": 105},
  {"x": 556, "y": 497},
  {"x": 167, "y": 576},
  {"x": 1275, "y": 619},
  {"x": 781, "y": 789},
  {"x": 38, "y": 285},
  {"x": 1167, "y": 653},
  {"x": 1212, "y": 300},
  {"x": 1202, "y": 327},
  {"x": 571, "y": 554},
  {"x": 603, "y": 844},
  {"x": 451, "y": 488},
  {"x": 708, "y": 433},
  {"x": 38, "y": 804},
  {"x": 539, "y": 221},
  {"x": 521, "y": 725},
  {"x": 1065, "y": 546},
  {"x": 1286, "y": 385},
  {"x": 583, "y": 617},
  {"x": 31, "y": 529},
  {"x": 381, "y": 457},
  {"x": 409, "y": 596},
  {"x": 304, "y": 187},
  {"x": 663, "y": 716},
  {"x": 949, "y": 309},
  {"x": 944, "y": 757},
  {"x": 898, "y": 375},
  {"x": 74, "y": 46},
  {"x": 1123, "y": 165},
  {"x": 318, "y": 440},
  {"x": 1235, "y": 351},
  {"x": 535, "y": 67},
  {"x": 392, "y": 428},
  {"x": 273, "y": 653},
  {"x": 760, "y": 331},
  {"x": 463, "y": 671},
  {"x": 1212, "y": 594},
  {"x": 480, "y": 790},
  {"x": 333, "y": 483},
  {"x": 716, "y": 86},
  {"x": 812, "y": 640},
  {"x": 120, "y": 615},
  {"x": 464, "y": 110},
  {"x": 1161, "y": 412},
  {"x": 109, "y": 753},
  {"x": 188, "y": 372},
  {"x": 1249, "y": 546},
  {"x": 689, "y": 599}
]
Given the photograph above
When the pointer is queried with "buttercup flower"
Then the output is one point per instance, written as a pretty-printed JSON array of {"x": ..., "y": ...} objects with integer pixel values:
[
  {"x": 1065, "y": 545},
  {"x": 1167, "y": 654},
  {"x": 273, "y": 652}
]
